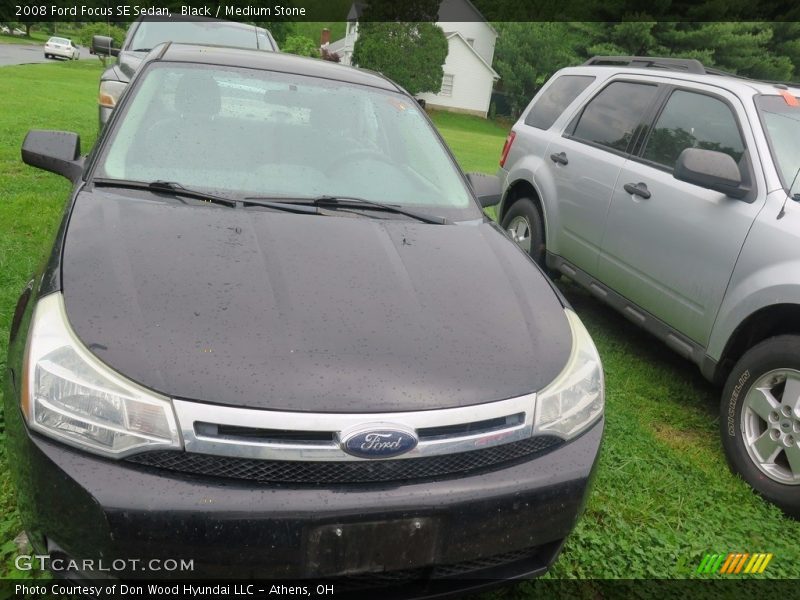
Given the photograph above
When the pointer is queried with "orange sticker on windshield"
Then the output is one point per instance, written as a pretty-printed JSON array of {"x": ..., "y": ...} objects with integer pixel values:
[{"x": 790, "y": 100}]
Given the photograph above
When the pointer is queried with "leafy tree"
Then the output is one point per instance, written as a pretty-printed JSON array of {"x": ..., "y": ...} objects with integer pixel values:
[
  {"x": 300, "y": 44},
  {"x": 527, "y": 54},
  {"x": 280, "y": 30},
  {"x": 88, "y": 31},
  {"x": 410, "y": 53}
]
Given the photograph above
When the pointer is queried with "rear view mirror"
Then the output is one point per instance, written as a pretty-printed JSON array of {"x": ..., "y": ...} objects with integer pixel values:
[
  {"x": 103, "y": 45},
  {"x": 55, "y": 151},
  {"x": 712, "y": 170},
  {"x": 487, "y": 188}
]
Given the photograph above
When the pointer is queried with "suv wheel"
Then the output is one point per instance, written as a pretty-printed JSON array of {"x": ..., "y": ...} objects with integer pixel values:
[
  {"x": 760, "y": 420},
  {"x": 523, "y": 223}
]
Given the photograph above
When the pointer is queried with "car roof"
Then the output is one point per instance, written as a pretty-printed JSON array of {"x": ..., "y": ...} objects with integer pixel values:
[
  {"x": 271, "y": 61},
  {"x": 739, "y": 85}
]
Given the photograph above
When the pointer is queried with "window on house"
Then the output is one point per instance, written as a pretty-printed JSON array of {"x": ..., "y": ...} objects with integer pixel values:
[{"x": 447, "y": 85}]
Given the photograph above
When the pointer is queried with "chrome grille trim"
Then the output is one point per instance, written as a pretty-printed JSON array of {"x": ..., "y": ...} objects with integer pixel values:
[{"x": 342, "y": 424}]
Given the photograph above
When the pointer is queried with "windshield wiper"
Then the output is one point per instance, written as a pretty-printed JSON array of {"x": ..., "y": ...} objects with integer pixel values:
[
  {"x": 354, "y": 202},
  {"x": 169, "y": 187},
  {"x": 176, "y": 189}
]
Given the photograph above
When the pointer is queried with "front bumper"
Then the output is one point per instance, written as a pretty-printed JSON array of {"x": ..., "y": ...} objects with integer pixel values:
[{"x": 92, "y": 508}]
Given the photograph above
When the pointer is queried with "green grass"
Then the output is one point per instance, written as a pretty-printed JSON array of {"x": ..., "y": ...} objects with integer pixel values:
[
  {"x": 663, "y": 495},
  {"x": 47, "y": 96},
  {"x": 476, "y": 142},
  {"x": 36, "y": 38}
]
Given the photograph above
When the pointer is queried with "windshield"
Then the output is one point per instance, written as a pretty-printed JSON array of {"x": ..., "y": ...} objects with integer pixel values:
[
  {"x": 244, "y": 132},
  {"x": 150, "y": 34},
  {"x": 782, "y": 124}
]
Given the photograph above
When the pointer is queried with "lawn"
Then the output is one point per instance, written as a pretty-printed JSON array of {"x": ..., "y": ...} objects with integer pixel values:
[{"x": 663, "y": 495}]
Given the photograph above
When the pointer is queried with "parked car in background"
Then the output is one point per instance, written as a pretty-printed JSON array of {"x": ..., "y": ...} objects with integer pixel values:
[
  {"x": 260, "y": 328},
  {"x": 63, "y": 47},
  {"x": 669, "y": 190},
  {"x": 4, "y": 29},
  {"x": 148, "y": 32}
]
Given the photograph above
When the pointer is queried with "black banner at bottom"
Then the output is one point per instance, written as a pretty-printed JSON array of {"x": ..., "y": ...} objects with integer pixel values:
[{"x": 376, "y": 588}]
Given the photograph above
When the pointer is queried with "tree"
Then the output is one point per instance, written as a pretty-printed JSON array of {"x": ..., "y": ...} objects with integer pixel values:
[
  {"x": 280, "y": 30},
  {"x": 300, "y": 44},
  {"x": 88, "y": 31},
  {"x": 410, "y": 53},
  {"x": 527, "y": 54}
]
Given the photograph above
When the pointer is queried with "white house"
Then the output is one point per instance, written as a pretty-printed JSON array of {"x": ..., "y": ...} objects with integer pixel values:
[{"x": 468, "y": 74}]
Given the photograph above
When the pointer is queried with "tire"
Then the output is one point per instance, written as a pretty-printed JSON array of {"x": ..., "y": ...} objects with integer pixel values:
[
  {"x": 46, "y": 56},
  {"x": 760, "y": 421},
  {"x": 524, "y": 224}
]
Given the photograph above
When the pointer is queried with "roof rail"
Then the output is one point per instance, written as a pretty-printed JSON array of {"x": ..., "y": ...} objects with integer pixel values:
[{"x": 689, "y": 65}]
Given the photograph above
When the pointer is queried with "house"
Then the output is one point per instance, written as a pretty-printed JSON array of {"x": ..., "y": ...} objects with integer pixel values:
[{"x": 468, "y": 74}]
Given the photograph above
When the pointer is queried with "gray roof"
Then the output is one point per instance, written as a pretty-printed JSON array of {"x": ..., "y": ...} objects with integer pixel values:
[{"x": 336, "y": 46}]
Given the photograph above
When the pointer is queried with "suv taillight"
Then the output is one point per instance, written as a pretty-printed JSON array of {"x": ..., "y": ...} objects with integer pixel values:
[{"x": 507, "y": 147}]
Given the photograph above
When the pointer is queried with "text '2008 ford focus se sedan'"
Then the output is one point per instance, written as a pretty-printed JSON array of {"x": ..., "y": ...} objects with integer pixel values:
[{"x": 277, "y": 336}]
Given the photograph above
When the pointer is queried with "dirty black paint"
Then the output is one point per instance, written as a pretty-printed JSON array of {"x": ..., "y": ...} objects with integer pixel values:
[{"x": 304, "y": 312}]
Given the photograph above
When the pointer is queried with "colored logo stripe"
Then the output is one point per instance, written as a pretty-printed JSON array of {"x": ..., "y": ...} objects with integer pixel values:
[{"x": 734, "y": 562}]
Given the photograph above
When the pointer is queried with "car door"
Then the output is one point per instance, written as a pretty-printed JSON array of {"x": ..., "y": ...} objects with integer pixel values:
[
  {"x": 585, "y": 163},
  {"x": 670, "y": 246}
]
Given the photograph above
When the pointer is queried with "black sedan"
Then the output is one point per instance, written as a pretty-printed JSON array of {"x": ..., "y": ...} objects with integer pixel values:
[{"x": 277, "y": 337}]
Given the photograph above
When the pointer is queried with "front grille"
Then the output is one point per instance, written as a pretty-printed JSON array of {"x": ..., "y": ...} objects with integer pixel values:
[
  {"x": 367, "y": 471},
  {"x": 489, "y": 567}
]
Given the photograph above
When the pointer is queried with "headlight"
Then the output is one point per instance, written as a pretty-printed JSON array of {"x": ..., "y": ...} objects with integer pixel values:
[
  {"x": 71, "y": 395},
  {"x": 574, "y": 400},
  {"x": 110, "y": 91}
]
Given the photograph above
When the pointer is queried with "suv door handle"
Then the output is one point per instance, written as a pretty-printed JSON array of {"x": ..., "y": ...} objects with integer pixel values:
[
  {"x": 560, "y": 158},
  {"x": 637, "y": 189}
]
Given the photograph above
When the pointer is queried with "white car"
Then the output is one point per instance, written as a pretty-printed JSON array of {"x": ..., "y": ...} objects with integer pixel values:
[
  {"x": 4, "y": 29},
  {"x": 58, "y": 46}
]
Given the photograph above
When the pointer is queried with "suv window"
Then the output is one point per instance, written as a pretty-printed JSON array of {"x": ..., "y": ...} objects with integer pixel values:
[
  {"x": 611, "y": 118},
  {"x": 781, "y": 119},
  {"x": 555, "y": 99},
  {"x": 693, "y": 120}
]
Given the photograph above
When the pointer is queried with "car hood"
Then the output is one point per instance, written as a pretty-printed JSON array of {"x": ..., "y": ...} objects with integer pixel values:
[{"x": 263, "y": 309}]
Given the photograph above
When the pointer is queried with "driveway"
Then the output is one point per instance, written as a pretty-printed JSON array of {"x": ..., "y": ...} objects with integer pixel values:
[{"x": 21, "y": 54}]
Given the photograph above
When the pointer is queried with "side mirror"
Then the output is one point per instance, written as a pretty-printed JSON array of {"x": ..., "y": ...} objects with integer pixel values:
[
  {"x": 103, "y": 45},
  {"x": 55, "y": 151},
  {"x": 487, "y": 188},
  {"x": 712, "y": 170}
]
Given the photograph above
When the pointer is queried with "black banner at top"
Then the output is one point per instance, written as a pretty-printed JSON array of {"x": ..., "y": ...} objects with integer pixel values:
[{"x": 402, "y": 10}]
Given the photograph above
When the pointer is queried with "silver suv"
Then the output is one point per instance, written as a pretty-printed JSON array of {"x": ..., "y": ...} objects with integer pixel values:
[{"x": 670, "y": 191}]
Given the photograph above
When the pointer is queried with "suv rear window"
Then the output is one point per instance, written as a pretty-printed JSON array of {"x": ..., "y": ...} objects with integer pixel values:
[
  {"x": 612, "y": 116},
  {"x": 555, "y": 99}
]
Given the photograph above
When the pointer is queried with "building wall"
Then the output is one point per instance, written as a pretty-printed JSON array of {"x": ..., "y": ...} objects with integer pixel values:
[
  {"x": 472, "y": 82},
  {"x": 479, "y": 31}
]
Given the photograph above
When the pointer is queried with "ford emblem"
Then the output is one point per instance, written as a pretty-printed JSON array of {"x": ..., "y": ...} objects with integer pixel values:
[{"x": 379, "y": 443}]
